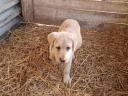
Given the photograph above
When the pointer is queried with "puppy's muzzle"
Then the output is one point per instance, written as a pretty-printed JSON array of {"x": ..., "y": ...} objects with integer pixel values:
[{"x": 62, "y": 60}]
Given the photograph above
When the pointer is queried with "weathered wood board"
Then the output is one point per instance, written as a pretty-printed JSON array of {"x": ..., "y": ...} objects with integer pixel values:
[
  {"x": 90, "y": 13},
  {"x": 9, "y": 15},
  {"x": 85, "y": 17},
  {"x": 9, "y": 25},
  {"x": 6, "y": 4},
  {"x": 84, "y": 5}
]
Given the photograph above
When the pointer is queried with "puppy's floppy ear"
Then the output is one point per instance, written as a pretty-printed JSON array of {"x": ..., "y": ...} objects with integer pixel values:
[{"x": 51, "y": 38}]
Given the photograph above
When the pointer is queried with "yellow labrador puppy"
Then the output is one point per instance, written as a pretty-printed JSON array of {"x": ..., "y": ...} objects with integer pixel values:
[{"x": 63, "y": 44}]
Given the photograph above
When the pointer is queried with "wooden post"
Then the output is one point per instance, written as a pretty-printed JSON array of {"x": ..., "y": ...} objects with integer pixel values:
[{"x": 27, "y": 10}]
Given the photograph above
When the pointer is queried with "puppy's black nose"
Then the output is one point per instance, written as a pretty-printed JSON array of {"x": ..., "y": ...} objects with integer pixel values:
[{"x": 62, "y": 60}]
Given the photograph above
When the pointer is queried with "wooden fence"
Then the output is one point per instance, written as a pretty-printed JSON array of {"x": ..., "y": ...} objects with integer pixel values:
[{"x": 90, "y": 13}]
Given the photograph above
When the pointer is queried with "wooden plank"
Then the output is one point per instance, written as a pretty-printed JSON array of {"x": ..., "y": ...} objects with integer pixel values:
[
  {"x": 8, "y": 15},
  {"x": 111, "y": 26},
  {"x": 5, "y": 5},
  {"x": 54, "y": 15},
  {"x": 27, "y": 10},
  {"x": 4, "y": 1},
  {"x": 115, "y": 0},
  {"x": 9, "y": 25},
  {"x": 115, "y": 7},
  {"x": 109, "y": 0}
]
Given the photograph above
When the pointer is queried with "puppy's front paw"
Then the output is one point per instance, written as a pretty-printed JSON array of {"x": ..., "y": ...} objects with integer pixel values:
[{"x": 67, "y": 80}]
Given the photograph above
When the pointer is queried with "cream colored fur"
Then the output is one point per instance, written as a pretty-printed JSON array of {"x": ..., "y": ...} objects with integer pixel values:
[{"x": 63, "y": 44}]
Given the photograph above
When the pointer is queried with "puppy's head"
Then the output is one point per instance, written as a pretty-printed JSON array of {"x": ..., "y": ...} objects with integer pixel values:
[{"x": 61, "y": 45}]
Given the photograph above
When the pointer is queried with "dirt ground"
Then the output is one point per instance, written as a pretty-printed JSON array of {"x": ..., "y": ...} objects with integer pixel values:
[{"x": 100, "y": 67}]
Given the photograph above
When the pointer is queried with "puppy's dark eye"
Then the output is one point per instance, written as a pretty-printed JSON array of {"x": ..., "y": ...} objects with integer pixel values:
[
  {"x": 58, "y": 47},
  {"x": 68, "y": 48}
]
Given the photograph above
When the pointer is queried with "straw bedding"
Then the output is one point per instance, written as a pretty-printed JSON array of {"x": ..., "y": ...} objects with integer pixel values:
[{"x": 100, "y": 67}]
